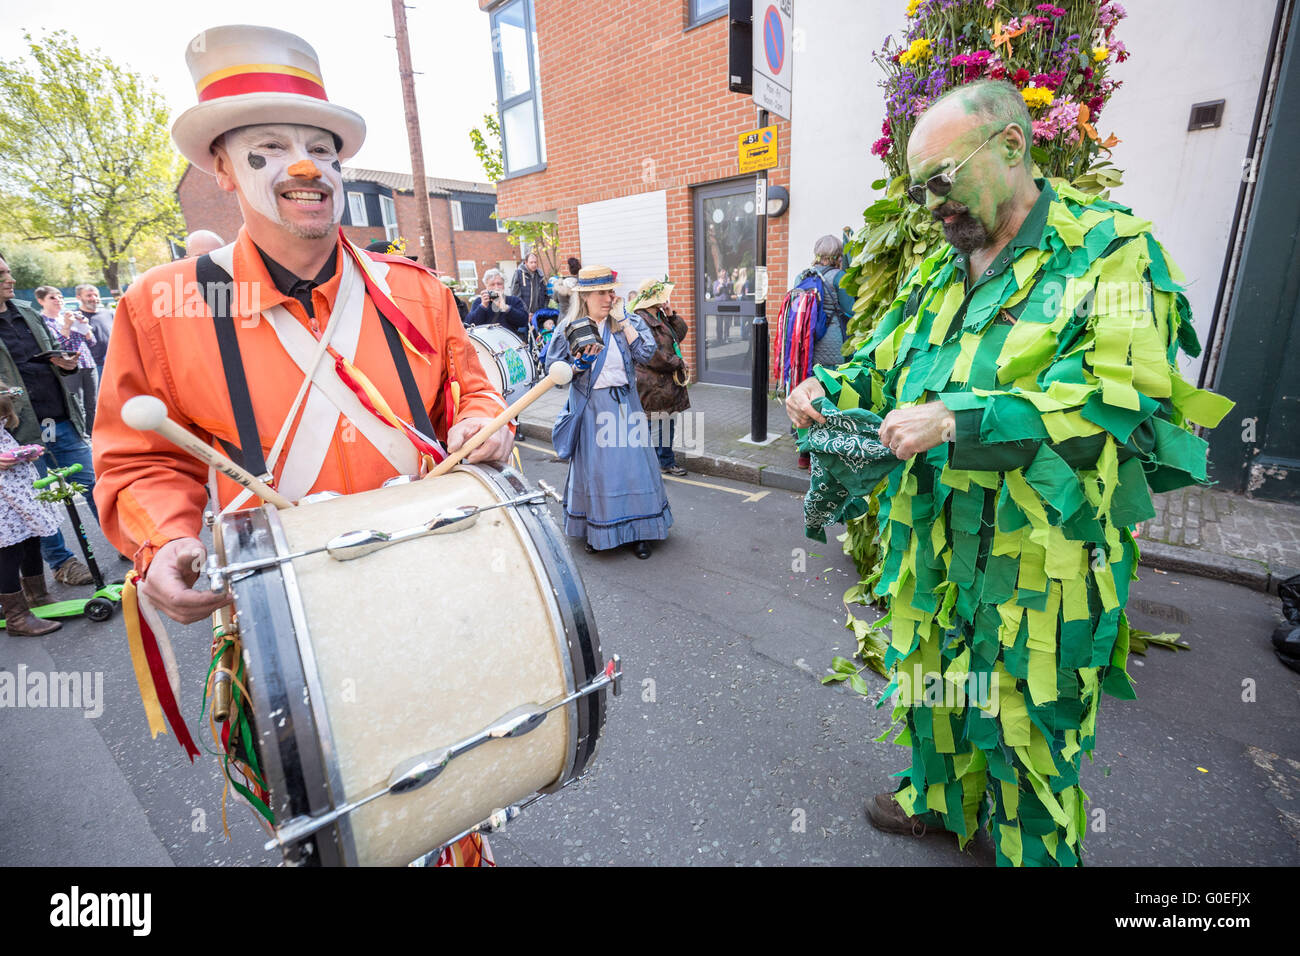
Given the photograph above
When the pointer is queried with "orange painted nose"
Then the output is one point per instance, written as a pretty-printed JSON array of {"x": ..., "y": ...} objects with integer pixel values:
[{"x": 304, "y": 169}]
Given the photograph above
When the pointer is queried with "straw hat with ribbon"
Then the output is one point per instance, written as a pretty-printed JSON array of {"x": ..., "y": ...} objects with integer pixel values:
[
  {"x": 596, "y": 279},
  {"x": 248, "y": 76}
]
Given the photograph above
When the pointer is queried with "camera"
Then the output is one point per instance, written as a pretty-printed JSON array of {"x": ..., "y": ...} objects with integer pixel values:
[
  {"x": 493, "y": 296},
  {"x": 581, "y": 334}
]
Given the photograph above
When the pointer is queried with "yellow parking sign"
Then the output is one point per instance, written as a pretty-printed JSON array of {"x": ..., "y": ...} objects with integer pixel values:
[{"x": 757, "y": 149}]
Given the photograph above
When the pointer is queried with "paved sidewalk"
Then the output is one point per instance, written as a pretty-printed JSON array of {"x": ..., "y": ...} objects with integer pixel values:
[{"x": 1196, "y": 530}]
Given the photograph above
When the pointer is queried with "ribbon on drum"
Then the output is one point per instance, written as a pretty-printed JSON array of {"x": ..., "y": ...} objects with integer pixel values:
[{"x": 155, "y": 666}]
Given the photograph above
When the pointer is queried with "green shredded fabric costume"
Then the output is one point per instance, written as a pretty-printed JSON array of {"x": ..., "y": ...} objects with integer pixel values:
[{"x": 1008, "y": 552}]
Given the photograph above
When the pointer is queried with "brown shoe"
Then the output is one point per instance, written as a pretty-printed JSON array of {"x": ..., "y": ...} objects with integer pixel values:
[
  {"x": 36, "y": 591},
  {"x": 886, "y": 814},
  {"x": 20, "y": 621},
  {"x": 74, "y": 573}
]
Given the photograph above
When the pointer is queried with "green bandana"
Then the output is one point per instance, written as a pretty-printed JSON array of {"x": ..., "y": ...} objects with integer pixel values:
[{"x": 847, "y": 461}]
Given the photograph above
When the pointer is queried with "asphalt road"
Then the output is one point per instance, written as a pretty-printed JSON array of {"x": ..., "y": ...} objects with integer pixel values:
[{"x": 725, "y": 749}]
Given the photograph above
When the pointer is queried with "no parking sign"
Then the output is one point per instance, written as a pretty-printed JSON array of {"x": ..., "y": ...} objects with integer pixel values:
[{"x": 772, "y": 60}]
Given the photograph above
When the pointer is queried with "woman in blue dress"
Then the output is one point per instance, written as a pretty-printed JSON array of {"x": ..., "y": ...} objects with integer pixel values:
[{"x": 614, "y": 494}]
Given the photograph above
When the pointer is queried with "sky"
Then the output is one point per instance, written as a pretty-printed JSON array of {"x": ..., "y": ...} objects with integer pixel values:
[{"x": 451, "y": 52}]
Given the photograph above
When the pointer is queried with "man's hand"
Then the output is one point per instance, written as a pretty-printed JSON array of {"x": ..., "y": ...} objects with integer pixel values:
[
  {"x": 496, "y": 450},
  {"x": 169, "y": 584},
  {"x": 910, "y": 431},
  {"x": 798, "y": 404},
  {"x": 483, "y": 298},
  {"x": 64, "y": 362}
]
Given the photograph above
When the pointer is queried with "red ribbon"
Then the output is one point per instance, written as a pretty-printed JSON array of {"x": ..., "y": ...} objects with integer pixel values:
[
  {"x": 163, "y": 687},
  {"x": 261, "y": 83},
  {"x": 386, "y": 306}
]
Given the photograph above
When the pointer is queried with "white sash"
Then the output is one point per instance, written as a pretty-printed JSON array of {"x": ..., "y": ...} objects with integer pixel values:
[{"x": 328, "y": 395}]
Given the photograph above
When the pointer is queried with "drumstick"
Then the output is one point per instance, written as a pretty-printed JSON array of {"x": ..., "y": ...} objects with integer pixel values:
[
  {"x": 561, "y": 373},
  {"x": 145, "y": 413}
]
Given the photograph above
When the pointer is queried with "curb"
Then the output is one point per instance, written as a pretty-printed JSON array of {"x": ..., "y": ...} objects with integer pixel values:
[{"x": 1154, "y": 554}]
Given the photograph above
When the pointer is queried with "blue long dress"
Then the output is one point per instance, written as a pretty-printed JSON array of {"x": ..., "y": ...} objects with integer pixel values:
[{"x": 614, "y": 494}]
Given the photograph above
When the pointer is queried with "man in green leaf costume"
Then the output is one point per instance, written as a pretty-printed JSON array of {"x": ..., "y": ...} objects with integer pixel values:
[{"x": 1027, "y": 377}]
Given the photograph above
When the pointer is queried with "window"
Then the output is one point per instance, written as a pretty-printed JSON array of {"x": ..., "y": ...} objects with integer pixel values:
[
  {"x": 357, "y": 209},
  {"x": 476, "y": 216},
  {"x": 388, "y": 211},
  {"x": 702, "y": 11},
  {"x": 514, "y": 56},
  {"x": 457, "y": 221},
  {"x": 467, "y": 271}
]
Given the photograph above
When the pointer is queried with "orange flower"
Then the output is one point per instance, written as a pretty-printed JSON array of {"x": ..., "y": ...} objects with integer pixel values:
[
  {"x": 1091, "y": 131},
  {"x": 1004, "y": 37}
]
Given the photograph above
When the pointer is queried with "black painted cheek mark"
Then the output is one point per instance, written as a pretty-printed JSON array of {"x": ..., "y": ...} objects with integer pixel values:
[
  {"x": 337, "y": 167},
  {"x": 256, "y": 161}
]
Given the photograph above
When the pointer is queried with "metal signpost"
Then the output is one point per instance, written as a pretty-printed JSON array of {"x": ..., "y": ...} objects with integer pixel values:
[{"x": 772, "y": 29}]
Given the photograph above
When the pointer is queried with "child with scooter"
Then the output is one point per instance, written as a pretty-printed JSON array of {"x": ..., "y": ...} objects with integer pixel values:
[{"x": 23, "y": 522}]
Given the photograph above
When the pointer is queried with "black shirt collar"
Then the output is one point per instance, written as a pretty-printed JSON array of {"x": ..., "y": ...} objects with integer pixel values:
[{"x": 291, "y": 285}]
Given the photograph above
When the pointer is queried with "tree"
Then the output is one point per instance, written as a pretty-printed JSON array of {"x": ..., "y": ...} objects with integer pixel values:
[
  {"x": 542, "y": 237},
  {"x": 86, "y": 149}
]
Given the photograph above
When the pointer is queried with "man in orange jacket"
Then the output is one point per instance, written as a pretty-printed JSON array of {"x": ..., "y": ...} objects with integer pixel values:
[{"x": 305, "y": 302}]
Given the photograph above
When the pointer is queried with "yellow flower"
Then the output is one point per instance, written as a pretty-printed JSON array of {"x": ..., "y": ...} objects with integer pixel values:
[
  {"x": 1036, "y": 96},
  {"x": 918, "y": 51},
  {"x": 912, "y": 8},
  {"x": 1099, "y": 53}
]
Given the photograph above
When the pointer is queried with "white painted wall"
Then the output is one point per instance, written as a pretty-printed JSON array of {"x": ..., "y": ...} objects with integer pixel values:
[
  {"x": 1183, "y": 52},
  {"x": 838, "y": 109},
  {"x": 1186, "y": 183},
  {"x": 628, "y": 234}
]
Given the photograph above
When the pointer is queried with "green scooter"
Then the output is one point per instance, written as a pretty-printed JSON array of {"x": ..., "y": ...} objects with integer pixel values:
[{"x": 55, "y": 487}]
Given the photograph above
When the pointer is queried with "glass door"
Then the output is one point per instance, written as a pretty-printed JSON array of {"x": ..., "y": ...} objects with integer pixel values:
[{"x": 725, "y": 232}]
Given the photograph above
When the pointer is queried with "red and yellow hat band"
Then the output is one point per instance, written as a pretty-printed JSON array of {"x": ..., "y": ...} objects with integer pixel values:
[{"x": 260, "y": 78}]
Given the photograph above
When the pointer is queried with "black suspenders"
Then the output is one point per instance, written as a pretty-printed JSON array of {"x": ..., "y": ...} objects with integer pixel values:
[{"x": 218, "y": 288}]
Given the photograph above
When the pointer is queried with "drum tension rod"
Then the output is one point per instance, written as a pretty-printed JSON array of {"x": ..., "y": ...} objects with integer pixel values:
[
  {"x": 351, "y": 545},
  {"x": 414, "y": 772}
]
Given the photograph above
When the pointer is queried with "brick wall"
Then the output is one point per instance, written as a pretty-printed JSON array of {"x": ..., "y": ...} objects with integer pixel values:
[
  {"x": 485, "y": 248},
  {"x": 633, "y": 102}
]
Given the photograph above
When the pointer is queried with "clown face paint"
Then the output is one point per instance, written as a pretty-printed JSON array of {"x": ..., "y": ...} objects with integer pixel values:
[{"x": 308, "y": 201}]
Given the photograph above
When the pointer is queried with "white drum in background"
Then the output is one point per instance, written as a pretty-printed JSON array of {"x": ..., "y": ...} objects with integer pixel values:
[
  {"x": 355, "y": 666},
  {"x": 506, "y": 359}
]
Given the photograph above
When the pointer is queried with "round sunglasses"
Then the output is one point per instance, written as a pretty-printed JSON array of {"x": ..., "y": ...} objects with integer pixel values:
[{"x": 941, "y": 183}]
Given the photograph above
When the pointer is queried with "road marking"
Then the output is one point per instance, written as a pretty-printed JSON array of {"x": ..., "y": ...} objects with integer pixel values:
[{"x": 749, "y": 496}]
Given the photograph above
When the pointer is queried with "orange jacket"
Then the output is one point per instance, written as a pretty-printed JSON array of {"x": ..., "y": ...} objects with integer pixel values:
[{"x": 164, "y": 344}]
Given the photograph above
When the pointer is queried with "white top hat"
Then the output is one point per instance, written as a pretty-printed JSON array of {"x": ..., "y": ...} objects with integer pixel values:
[{"x": 247, "y": 76}]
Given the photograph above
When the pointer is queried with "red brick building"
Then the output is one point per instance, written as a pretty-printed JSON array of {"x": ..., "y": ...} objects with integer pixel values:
[
  {"x": 382, "y": 205},
  {"x": 618, "y": 125}
]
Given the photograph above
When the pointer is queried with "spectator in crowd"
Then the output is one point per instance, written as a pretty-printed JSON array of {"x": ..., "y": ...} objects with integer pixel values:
[
  {"x": 722, "y": 285},
  {"x": 101, "y": 323},
  {"x": 661, "y": 379},
  {"x": 50, "y": 405},
  {"x": 73, "y": 332},
  {"x": 201, "y": 242},
  {"x": 23, "y": 522},
  {"x": 740, "y": 282},
  {"x": 614, "y": 494},
  {"x": 574, "y": 266},
  {"x": 827, "y": 254},
  {"x": 494, "y": 307},
  {"x": 529, "y": 285}
]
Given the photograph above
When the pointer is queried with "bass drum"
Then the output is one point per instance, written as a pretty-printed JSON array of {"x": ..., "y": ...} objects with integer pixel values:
[
  {"x": 508, "y": 362},
  {"x": 355, "y": 666}
]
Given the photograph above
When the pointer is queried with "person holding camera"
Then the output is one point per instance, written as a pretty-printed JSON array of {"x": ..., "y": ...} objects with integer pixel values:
[
  {"x": 614, "y": 494},
  {"x": 661, "y": 381},
  {"x": 494, "y": 307}
]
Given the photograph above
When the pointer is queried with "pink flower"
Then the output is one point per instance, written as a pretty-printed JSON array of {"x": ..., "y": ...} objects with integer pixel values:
[
  {"x": 882, "y": 146},
  {"x": 1120, "y": 50},
  {"x": 884, "y": 127},
  {"x": 1050, "y": 10}
]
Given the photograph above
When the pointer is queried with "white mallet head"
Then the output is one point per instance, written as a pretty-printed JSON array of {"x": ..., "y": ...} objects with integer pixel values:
[
  {"x": 144, "y": 413},
  {"x": 561, "y": 373}
]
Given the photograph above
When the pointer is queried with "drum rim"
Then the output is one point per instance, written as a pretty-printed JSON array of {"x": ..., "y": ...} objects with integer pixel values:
[
  {"x": 315, "y": 693},
  {"x": 587, "y": 716},
  {"x": 262, "y": 640}
]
